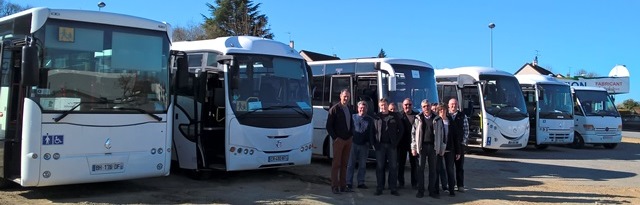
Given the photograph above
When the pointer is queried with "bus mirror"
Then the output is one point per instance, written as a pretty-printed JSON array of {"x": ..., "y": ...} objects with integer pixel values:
[
  {"x": 540, "y": 95},
  {"x": 224, "y": 59},
  {"x": 392, "y": 82},
  {"x": 183, "y": 63},
  {"x": 465, "y": 80},
  {"x": 30, "y": 74}
]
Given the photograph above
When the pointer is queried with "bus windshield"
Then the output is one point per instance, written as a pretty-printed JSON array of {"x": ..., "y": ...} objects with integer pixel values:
[
  {"x": 556, "y": 101},
  {"x": 414, "y": 82},
  {"x": 102, "y": 68},
  {"x": 596, "y": 103},
  {"x": 263, "y": 84},
  {"x": 501, "y": 97}
]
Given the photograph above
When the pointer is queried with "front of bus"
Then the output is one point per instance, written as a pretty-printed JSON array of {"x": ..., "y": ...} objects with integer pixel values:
[
  {"x": 413, "y": 79},
  {"x": 598, "y": 121},
  {"x": 269, "y": 123},
  {"x": 99, "y": 110},
  {"x": 505, "y": 122},
  {"x": 555, "y": 113}
]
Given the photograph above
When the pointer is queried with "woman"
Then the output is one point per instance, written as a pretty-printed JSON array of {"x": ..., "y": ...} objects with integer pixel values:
[{"x": 445, "y": 150}]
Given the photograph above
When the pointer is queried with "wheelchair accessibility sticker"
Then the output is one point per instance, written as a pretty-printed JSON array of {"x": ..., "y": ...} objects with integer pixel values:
[{"x": 52, "y": 139}]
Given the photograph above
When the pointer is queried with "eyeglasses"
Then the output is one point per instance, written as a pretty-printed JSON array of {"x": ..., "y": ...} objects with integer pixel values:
[{"x": 407, "y": 104}]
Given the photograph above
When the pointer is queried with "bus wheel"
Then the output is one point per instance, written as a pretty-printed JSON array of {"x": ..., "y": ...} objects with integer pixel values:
[
  {"x": 490, "y": 151},
  {"x": 578, "y": 142},
  {"x": 541, "y": 146},
  {"x": 610, "y": 145}
]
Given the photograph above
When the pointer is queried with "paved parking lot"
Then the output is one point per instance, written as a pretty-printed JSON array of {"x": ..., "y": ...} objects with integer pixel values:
[{"x": 527, "y": 176}]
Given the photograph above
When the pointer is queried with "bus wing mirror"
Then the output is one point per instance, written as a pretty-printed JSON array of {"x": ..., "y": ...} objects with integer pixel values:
[
  {"x": 465, "y": 80},
  {"x": 392, "y": 82},
  {"x": 30, "y": 74}
]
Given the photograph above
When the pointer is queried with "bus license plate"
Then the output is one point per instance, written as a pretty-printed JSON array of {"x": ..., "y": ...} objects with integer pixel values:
[
  {"x": 279, "y": 158},
  {"x": 107, "y": 167}
]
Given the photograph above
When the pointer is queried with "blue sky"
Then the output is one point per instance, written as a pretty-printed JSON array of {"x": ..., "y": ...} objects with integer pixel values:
[{"x": 567, "y": 35}]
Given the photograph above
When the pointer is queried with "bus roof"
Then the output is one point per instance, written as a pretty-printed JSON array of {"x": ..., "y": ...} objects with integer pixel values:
[
  {"x": 238, "y": 45},
  {"x": 402, "y": 61},
  {"x": 40, "y": 15},
  {"x": 473, "y": 71},
  {"x": 588, "y": 88},
  {"x": 532, "y": 79}
]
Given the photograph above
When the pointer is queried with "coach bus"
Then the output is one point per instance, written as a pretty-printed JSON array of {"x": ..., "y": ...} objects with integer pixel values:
[
  {"x": 493, "y": 102},
  {"x": 550, "y": 108},
  {"x": 368, "y": 79},
  {"x": 597, "y": 120},
  {"x": 243, "y": 104},
  {"x": 84, "y": 97}
]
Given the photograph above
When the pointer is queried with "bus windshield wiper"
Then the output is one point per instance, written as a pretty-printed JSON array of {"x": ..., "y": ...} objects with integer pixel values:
[
  {"x": 298, "y": 110},
  {"x": 254, "y": 110},
  {"x": 135, "y": 109},
  {"x": 67, "y": 112}
]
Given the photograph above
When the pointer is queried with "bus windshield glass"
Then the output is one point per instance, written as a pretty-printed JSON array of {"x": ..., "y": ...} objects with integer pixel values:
[
  {"x": 414, "y": 82},
  {"x": 102, "y": 68},
  {"x": 596, "y": 103},
  {"x": 501, "y": 99},
  {"x": 263, "y": 84},
  {"x": 556, "y": 101}
]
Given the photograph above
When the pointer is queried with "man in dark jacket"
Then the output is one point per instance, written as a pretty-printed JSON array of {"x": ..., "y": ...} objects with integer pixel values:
[
  {"x": 460, "y": 131},
  {"x": 339, "y": 127},
  {"x": 363, "y": 131},
  {"x": 407, "y": 116},
  {"x": 388, "y": 132}
]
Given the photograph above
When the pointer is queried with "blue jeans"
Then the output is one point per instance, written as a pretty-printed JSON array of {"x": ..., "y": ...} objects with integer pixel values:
[{"x": 358, "y": 155}]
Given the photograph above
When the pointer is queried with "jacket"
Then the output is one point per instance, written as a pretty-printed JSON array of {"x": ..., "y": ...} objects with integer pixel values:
[
  {"x": 417, "y": 132},
  {"x": 389, "y": 125},
  {"x": 337, "y": 123},
  {"x": 440, "y": 141},
  {"x": 363, "y": 137}
]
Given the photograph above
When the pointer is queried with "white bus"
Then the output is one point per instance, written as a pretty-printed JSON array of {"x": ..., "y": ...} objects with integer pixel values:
[
  {"x": 493, "y": 102},
  {"x": 368, "y": 79},
  {"x": 84, "y": 97},
  {"x": 597, "y": 120},
  {"x": 550, "y": 108},
  {"x": 243, "y": 104}
]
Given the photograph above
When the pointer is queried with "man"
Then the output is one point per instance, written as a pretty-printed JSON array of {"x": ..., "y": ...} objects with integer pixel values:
[
  {"x": 363, "y": 131},
  {"x": 388, "y": 133},
  {"x": 339, "y": 128},
  {"x": 422, "y": 145},
  {"x": 407, "y": 116},
  {"x": 460, "y": 131}
]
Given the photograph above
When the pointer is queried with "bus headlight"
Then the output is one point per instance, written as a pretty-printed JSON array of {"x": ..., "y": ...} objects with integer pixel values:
[{"x": 588, "y": 127}]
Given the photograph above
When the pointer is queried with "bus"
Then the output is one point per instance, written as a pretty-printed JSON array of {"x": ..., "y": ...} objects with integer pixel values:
[
  {"x": 597, "y": 120},
  {"x": 84, "y": 97},
  {"x": 368, "y": 79},
  {"x": 550, "y": 107},
  {"x": 242, "y": 104},
  {"x": 493, "y": 102}
]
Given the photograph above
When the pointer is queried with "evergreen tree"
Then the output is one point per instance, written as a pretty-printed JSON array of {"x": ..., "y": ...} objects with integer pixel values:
[
  {"x": 236, "y": 18},
  {"x": 382, "y": 54}
]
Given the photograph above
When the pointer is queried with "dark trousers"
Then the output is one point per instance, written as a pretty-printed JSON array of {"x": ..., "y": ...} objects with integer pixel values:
[
  {"x": 341, "y": 151},
  {"x": 403, "y": 151},
  {"x": 427, "y": 159},
  {"x": 447, "y": 171},
  {"x": 386, "y": 156},
  {"x": 442, "y": 174},
  {"x": 459, "y": 164}
]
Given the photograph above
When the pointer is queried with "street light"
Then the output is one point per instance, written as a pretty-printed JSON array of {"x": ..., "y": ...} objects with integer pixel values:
[
  {"x": 100, "y": 5},
  {"x": 491, "y": 26}
]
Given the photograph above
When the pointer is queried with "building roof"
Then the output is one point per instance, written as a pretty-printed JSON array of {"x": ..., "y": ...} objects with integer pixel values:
[
  {"x": 536, "y": 68},
  {"x": 313, "y": 56}
]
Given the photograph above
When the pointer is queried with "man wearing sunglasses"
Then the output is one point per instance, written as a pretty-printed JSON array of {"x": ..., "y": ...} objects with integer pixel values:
[{"x": 407, "y": 116}]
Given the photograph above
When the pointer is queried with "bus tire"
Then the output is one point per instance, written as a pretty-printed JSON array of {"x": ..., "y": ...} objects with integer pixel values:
[
  {"x": 578, "y": 142},
  {"x": 610, "y": 145},
  {"x": 490, "y": 151},
  {"x": 541, "y": 146}
]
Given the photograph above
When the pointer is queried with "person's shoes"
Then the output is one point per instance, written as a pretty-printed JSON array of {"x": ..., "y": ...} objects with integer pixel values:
[
  {"x": 395, "y": 193},
  {"x": 348, "y": 190},
  {"x": 461, "y": 189},
  {"x": 349, "y": 186},
  {"x": 420, "y": 194},
  {"x": 445, "y": 188},
  {"x": 452, "y": 194},
  {"x": 414, "y": 187},
  {"x": 342, "y": 189},
  {"x": 362, "y": 186},
  {"x": 434, "y": 195},
  {"x": 377, "y": 193},
  {"x": 335, "y": 190}
]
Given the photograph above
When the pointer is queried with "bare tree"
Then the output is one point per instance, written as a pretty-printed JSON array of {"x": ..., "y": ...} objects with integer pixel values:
[
  {"x": 585, "y": 73},
  {"x": 8, "y": 8},
  {"x": 190, "y": 32}
]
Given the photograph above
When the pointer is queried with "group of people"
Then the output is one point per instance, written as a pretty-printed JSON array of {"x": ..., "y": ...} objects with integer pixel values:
[{"x": 433, "y": 139}]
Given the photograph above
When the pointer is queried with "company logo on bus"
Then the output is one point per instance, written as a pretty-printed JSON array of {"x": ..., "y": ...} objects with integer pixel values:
[
  {"x": 279, "y": 144},
  {"x": 606, "y": 129},
  {"x": 107, "y": 144}
]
